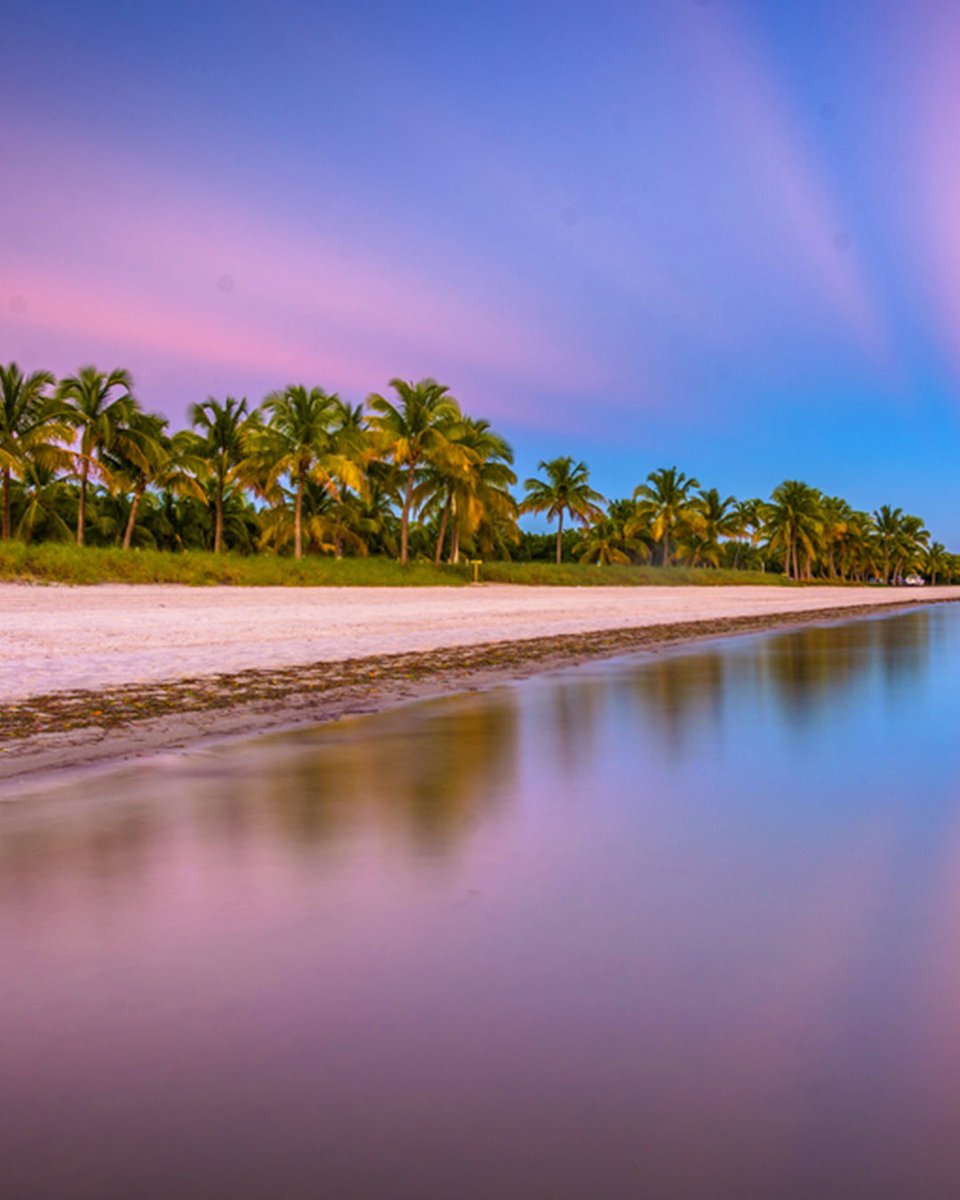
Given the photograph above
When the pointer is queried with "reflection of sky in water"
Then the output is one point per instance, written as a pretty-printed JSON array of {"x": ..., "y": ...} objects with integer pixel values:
[{"x": 685, "y": 923}]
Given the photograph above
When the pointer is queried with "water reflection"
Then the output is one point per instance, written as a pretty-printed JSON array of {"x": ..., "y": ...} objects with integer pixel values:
[
  {"x": 428, "y": 783},
  {"x": 672, "y": 926},
  {"x": 797, "y": 675}
]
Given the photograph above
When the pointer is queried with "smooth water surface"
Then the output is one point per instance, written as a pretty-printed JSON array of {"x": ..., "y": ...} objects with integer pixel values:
[{"x": 678, "y": 926}]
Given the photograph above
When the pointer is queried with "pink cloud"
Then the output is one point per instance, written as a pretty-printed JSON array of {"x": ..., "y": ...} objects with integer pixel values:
[{"x": 194, "y": 278}]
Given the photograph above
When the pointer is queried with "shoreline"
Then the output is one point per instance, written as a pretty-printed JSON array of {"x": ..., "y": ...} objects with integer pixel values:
[{"x": 46, "y": 738}]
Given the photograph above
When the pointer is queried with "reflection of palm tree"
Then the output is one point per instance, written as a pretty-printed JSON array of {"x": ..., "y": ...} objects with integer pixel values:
[
  {"x": 565, "y": 490},
  {"x": 671, "y": 694},
  {"x": 434, "y": 786},
  {"x": 809, "y": 666}
]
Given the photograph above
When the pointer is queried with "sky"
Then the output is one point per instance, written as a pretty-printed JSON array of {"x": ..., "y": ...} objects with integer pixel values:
[{"x": 723, "y": 234}]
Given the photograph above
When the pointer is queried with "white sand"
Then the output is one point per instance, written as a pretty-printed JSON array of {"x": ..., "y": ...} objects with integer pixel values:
[{"x": 60, "y": 638}]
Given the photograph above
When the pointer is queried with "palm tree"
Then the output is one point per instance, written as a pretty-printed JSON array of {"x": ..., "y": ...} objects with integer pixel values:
[
  {"x": 751, "y": 516},
  {"x": 469, "y": 484},
  {"x": 664, "y": 503},
  {"x": 99, "y": 407},
  {"x": 837, "y": 516},
  {"x": 711, "y": 520},
  {"x": 299, "y": 441},
  {"x": 795, "y": 523},
  {"x": 31, "y": 424},
  {"x": 355, "y": 441},
  {"x": 413, "y": 431},
  {"x": 565, "y": 490},
  {"x": 376, "y": 520},
  {"x": 44, "y": 505},
  {"x": 855, "y": 547},
  {"x": 912, "y": 545},
  {"x": 936, "y": 562},
  {"x": 221, "y": 431},
  {"x": 172, "y": 464},
  {"x": 602, "y": 543},
  {"x": 887, "y": 528},
  {"x": 632, "y": 532},
  {"x": 433, "y": 495},
  {"x": 145, "y": 432},
  {"x": 900, "y": 540},
  {"x": 483, "y": 505},
  {"x": 328, "y": 523}
]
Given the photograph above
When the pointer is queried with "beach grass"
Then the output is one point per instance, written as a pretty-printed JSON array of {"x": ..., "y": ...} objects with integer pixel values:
[
  {"x": 69, "y": 564},
  {"x": 581, "y": 575},
  {"x": 59, "y": 563}
]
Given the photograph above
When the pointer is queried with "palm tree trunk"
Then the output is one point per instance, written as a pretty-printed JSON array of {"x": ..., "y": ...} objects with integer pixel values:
[
  {"x": 82, "y": 510},
  {"x": 6, "y": 504},
  {"x": 298, "y": 520},
  {"x": 218, "y": 518},
  {"x": 443, "y": 532},
  {"x": 405, "y": 515},
  {"x": 132, "y": 519},
  {"x": 560, "y": 538},
  {"x": 455, "y": 544}
]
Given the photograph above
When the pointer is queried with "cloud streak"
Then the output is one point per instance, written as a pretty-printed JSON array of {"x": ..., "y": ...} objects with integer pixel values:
[{"x": 202, "y": 280}]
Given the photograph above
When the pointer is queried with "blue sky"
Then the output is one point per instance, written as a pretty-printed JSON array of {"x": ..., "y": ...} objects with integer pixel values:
[{"x": 720, "y": 234}]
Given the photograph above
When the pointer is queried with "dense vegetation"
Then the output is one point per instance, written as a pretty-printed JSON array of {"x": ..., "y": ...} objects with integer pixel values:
[{"x": 407, "y": 476}]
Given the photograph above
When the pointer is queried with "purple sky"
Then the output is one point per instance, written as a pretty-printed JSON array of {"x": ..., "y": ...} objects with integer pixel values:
[{"x": 722, "y": 234}]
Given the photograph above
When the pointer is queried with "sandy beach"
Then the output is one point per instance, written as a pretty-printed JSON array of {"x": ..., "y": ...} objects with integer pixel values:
[
  {"x": 56, "y": 639},
  {"x": 94, "y": 673}
]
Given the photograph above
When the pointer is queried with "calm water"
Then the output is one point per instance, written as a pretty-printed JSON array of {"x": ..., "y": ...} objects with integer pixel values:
[{"x": 679, "y": 926}]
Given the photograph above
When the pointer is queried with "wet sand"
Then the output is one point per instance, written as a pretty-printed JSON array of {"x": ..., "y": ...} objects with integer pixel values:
[{"x": 94, "y": 675}]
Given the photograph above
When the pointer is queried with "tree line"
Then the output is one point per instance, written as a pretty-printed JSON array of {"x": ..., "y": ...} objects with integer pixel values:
[{"x": 406, "y": 475}]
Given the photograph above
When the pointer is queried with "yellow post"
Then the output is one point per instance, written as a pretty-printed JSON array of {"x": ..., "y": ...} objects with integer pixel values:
[{"x": 476, "y": 563}]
